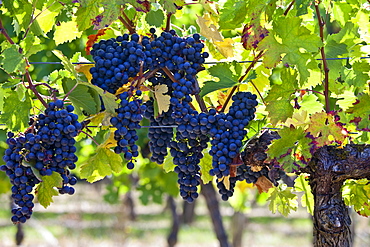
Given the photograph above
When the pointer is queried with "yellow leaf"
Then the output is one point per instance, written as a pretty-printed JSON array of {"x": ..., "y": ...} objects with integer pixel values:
[
  {"x": 208, "y": 28},
  {"x": 110, "y": 141},
  {"x": 225, "y": 181},
  {"x": 163, "y": 101},
  {"x": 298, "y": 119},
  {"x": 225, "y": 47},
  {"x": 85, "y": 68}
]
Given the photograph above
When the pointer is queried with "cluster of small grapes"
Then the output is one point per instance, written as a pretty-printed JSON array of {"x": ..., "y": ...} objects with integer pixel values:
[
  {"x": 119, "y": 59},
  {"x": 21, "y": 177},
  {"x": 159, "y": 135},
  {"x": 129, "y": 115},
  {"x": 250, "y": 175},
  {"x": 47, "y": 146},
  {"x": 227, "y": 140}
]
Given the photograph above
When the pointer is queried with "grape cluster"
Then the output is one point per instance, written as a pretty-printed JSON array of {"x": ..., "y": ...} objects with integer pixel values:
[
  {"x": 121, "y": 58},
  {"x": 129, "y": 115},
  {"x": 47, "y": 146},
  {"x": 250, "y": 174},
  {"x": 228, "y": 135},
  {"x": 21, "y": 177}
]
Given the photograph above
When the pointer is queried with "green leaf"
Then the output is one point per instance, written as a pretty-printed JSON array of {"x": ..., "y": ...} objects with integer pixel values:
[
  {"x": 280, "y": 95},
  {"x": 66, "y": 63},
  {"x": 293, "y": 144},
  {"x": 31, "y": 45},
  {"x": 109, "y": 99},
  {"x": 81, "y": 97},
  {"x": 205, "y": 167},
  {"x": 307, "y": 200},
  {"x": 46, "y": 18},
  {"x": 16, "y": 112},
  {"x": 288, "y": 36},
  {"x": 233, "y": 14},
  {"x": 361, "y": 111},
  {"x": 12, "y": 60},
  {"x": 282, "y": 200},
  {"x": 302, "y": 6},
  {"x": 102, "y": 164},
  {"x": 227, "y": 78},
  {"x": 46, "y": 189},
  {"x": 66, "y": 31},
  {"x": 155, "y": 18},
  {"x": 356, "y": 193},
  {"x": 88, "y": 10},
  {"x": 169, "y": 5},
  {"x": 168, "y": 164},
  {"x": 109, "y": 15}
]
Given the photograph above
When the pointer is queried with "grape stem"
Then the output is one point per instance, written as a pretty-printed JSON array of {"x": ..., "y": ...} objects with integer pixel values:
[
  {"x": 168, "y": 22},
  {"x": 90, "y": 137},
  {"x": 289, "y": 7},
  {"x": 170, "y": 75},
  {"x": 70, "y": 91},
  {"x": 53, "y": 91},
  {"x": 251, "y": 65},
  {"x": 126, "y": 18},
  {"x": 127, "y": 25},
  {"x": 30, "y": 86},
  {"x": 323, "y": 56}
]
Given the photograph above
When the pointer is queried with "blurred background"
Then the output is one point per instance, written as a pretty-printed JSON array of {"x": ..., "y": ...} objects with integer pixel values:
[{"x": 86, "y": 219}]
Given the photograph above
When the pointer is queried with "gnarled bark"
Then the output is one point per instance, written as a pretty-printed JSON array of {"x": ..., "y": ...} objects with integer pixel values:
[{"x": 329, "y": 168}]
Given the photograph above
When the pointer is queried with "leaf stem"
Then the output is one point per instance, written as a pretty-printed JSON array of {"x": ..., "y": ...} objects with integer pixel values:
[
  {"x": 90, "y": 137},
  {"x": 323, "y": 56},
  {"x": 168, "y": 22},
  {"x": 70, "y": 91},
  {"x": 127, "y": 25},
  {"x": 251, "y": 65},
  {"x": 289, "y": 7}
]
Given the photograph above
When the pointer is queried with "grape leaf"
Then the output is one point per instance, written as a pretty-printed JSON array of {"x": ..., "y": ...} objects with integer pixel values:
[
  {"x": 81, "y": 97},
  {"x": 66, "y": 63},
  {"x": 205, "y": 167},
  {"x": 293, "y": 36},
  {"x": 66, "y": 31},
  {"x": 168, "y": 164},
  {"x": 16, "y": 112},
  {"x": 282, "y": 200},
  {"x": 225, "y": 47},
  {"x": 208, "y": 29},
  {"x": 102, "y": 164},
  {"x": 109, "y": 99},
  {"x": 227, "y": 77},
  {"x": 87, "y": 12},
  {"x": 280, "y": 95},
  {"x": 170, "y": 5},
  {"x": 307, "y": 200},
  {"x": 292, "y": 146},
  {"x": 162, "y": 100},
  {"x": 85, "y": 68},
  {"x": 233, "y": 14},
  {"x": 263, "y": 184},
  {"x": 155, "y": 18},
  {"x": 301, "y": 6},
  {"x": 46, "y": 189},
  {"x": 361, "y": 111},
  {"x": 46, "y": 18},
  {"x": 356, "y": 193},
  {"x": 109, "y": 15},
  {"x": 12, "y": 60},
  {"x": 325, "y": 130},
  {"x": 31, "y": 45}
]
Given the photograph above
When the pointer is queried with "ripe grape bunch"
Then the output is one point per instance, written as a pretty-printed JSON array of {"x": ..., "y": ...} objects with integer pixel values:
[{"x": 46, "y": 147}]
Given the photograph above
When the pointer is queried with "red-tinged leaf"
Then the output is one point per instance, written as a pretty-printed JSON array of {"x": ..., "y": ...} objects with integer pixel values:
[
  {"x": 361, "y": 112},
  {"x": 292, "y": 150},
  {"x": 91, "y": 39},
  {"x": 324, "y": 129},
  {"x": 253, "y": 33}
]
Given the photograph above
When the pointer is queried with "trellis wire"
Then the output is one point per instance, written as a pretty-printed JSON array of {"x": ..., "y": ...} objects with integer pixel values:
[{"x": 214, "y": 62}]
